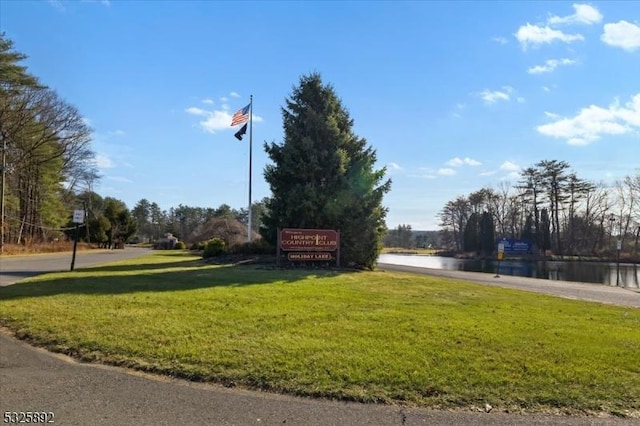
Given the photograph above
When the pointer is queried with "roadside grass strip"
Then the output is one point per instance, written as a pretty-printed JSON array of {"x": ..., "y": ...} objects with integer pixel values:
[{"x": 365, "y": 336}]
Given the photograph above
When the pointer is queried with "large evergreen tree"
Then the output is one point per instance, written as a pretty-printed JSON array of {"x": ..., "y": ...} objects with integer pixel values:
[
  {"x": 487, "y": 234},
  {"x": 323, "y": 175},
  {"x": 471, "y": 235}
]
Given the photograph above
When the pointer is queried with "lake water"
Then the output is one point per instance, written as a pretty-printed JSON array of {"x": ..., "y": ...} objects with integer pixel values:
[{"x": 628, "y": 275}]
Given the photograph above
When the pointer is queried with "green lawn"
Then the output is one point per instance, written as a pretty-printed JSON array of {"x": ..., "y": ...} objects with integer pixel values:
[{"x": 365, "y": 336}]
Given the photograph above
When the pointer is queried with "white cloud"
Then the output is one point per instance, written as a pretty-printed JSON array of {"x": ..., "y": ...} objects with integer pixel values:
[
  {"x": 394, "y": 166},
  {"x": 117, "y": 133},
  {"x": 234, "y": 95},
  {"x": 551, "y": 114},
  {"x": 101, "y": 161},
  {"x": 491, "y": 97},
  {"x": 520, "y": 100},
  {"x": 216, "y": 120},
  {"x": 534, "y": 35},
  {"x": 550, "y": 65},
  {"x": 546, "y": 88},
  {"x": 224, "y": 99},
  {"x": 488, "y": 173},
  {"x": 622, "y": 34},
  {"x": 511, "y": 175},
  {"x": 472, "y": 162},
  {"x": 446, "y": 172},
  {"x": 512, "y": 169},
  {"x": 457, "y": 162},
  {"x": 208, "y": 101},
  {"x": 500, "y": 40},
  {"x": 630, "y": 114},
  {"x": 592, "y": 122},
  {"x": 585, "y": 14},
  {"x": 508, "y": 166}
]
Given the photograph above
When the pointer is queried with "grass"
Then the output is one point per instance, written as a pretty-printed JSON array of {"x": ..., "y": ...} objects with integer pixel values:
[
  {"x": 364, "y": 336},
  {"x": 38, "y": 248}
]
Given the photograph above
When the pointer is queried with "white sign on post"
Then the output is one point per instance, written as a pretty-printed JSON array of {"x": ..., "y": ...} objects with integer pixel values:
[
  {"x": 78, "y": 216},
  {"x": 500, "y": 247},
  {"x": 619, "y": 245}
]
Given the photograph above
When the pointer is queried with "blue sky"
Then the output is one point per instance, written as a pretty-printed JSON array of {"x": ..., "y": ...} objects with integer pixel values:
[{"x": 454, "y": 96}]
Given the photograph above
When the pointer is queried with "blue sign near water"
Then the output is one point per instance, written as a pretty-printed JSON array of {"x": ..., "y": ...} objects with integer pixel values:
[{"x": 515, "y": 247}]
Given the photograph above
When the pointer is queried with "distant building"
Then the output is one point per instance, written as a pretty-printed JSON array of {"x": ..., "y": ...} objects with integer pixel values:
[{"x": 167, "y": 242}]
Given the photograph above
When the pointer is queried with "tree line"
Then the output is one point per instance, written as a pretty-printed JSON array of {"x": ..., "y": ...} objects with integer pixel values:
[
  {"x": 46, "y": 153},
  {"x": 186, "y": 222},
  {"x": 553, "y": 208}
]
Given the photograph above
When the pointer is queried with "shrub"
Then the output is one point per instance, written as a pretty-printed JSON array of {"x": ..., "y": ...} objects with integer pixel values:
[
  {"x": 201, "y": 245},
  {"x": 180, "y": 245},
  {"x": 259, "y": 246},
  {"x": 214, "y": 247}
]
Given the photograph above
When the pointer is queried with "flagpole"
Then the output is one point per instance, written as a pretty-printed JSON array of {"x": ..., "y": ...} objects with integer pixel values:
[{"x": 249, "y": 231}]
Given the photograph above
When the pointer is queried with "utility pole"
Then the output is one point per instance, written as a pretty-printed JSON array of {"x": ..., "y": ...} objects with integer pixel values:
[{"x": 4, "y": 167}]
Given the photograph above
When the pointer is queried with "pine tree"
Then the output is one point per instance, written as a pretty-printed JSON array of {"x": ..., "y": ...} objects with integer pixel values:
[
  {"x": 13, "y": 76},
  {"x": 472, "y": 234},
  {"x": 487, "y": 234},
  {"x": 554, "y": 175},
  {"x": 323, "y": 175}
]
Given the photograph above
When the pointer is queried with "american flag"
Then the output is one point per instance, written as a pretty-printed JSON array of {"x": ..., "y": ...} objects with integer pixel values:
[{"x": 241, "y": 116}]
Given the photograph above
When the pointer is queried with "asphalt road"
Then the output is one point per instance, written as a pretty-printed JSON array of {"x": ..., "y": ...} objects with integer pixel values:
[
  {"x": 15, "y": 268},
  {"x": 33, "y": 379},
  {"x": 629, "y": 297}
]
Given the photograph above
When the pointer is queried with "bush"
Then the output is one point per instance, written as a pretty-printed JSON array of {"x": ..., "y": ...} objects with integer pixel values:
[
  {"x": 259, "y": 246},
  {"x": 199, "y": 245},
  {"x": 214, "y": 247},
  {"x": 180, "y": 245}
]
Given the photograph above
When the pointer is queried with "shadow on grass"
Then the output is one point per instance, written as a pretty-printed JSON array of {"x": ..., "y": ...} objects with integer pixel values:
[
  {"x": 24, "y": 274},
  {"x": 145, "y": 267},
  {"x": 147, "y": 278}
]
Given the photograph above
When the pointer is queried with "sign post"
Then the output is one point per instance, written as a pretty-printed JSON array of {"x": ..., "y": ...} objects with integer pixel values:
[
  {"x": 500, "y": 257},
  {"x": 278, "y": 250},
  {"x": 78, "y": 218},
  {"x": 619, "y": 247}
]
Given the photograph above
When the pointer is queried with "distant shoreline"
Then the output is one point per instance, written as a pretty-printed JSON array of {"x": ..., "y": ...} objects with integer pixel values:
[{"x": 528, "y": 258}]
